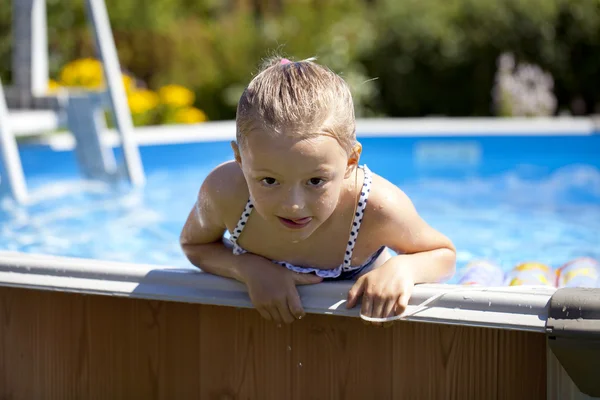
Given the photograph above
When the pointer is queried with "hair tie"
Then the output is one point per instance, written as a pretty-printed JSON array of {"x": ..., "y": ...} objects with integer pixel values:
[{"x": 284, "y": 61}]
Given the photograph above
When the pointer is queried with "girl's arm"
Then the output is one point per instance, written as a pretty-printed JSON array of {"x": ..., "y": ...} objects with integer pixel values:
[
  {"x": 402, "y": 229},
  {"x": 427, "y": 254},
  {"x": 424, "y": 254},
  {"x": 272, "y": 289},
  {"x": 202, "y": 236}
]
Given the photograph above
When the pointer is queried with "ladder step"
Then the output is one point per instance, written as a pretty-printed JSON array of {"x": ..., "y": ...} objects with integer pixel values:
[
  {"x": 32, "y": 122},
  {"x": 86, "y": 121}
]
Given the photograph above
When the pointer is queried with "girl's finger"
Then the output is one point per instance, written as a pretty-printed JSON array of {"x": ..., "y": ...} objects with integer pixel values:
[
  {"x": 285, "y": 313},
  {"x": 388, "y": 310},
  {"x": 355, "y": 292},
  {"x": 264, "y": 313},
  {"x": 366, "y": 308},
  {"x": 275, "y": 314},
  {"x": 378, "y": 307},
  {"x": 295, "y": 305},
  {"x": 402, "y": 303}
]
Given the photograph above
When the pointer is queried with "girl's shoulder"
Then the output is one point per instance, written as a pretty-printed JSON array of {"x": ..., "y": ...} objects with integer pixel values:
[
  {"x": 384, "y": 194},
  {"x": 387, "y": 205},
  {"x": 392, "y": 220},
  {"x": 227, "y": 189}
]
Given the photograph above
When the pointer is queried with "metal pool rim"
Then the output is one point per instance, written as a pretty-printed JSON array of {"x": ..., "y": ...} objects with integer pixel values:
[{"x": 515, "y": 308}]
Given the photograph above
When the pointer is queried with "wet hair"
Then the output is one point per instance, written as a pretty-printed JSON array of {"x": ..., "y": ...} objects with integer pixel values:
[{"x": 299, "y": 98}]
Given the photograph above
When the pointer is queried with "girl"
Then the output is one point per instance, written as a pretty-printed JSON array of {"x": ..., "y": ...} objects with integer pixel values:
[{"x": 295, "y": 199}]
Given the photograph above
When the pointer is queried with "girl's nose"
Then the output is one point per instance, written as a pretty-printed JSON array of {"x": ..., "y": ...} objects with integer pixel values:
[{"x": 294, "y": 200}]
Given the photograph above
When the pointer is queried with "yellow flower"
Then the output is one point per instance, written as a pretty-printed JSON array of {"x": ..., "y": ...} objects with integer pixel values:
[
  {"x": 141, "y": 101},
  {"x": 90, "y": 73},
  {"x": 129, "y": 83},
  {"x": 68, "y": 75},
  {"x": 53, "y": 86},
  {"x": 86, "y": 72},
  {"x": 175, "y": 95},
  {"x": 189, "y": 115}
]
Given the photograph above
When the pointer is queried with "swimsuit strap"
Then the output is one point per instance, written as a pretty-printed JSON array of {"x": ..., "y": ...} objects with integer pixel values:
[
  {"x": 358, "y": 216},
  {"x": 240, "y": 227}
]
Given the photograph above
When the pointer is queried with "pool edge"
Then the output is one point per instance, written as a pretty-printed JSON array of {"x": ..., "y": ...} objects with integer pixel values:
[
  {"x": 514, "y": 308},
  {"x": 367, "y": 127}
]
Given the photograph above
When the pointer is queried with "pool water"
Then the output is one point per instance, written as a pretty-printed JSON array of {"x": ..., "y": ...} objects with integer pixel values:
[{"x": 506, "y": 199}]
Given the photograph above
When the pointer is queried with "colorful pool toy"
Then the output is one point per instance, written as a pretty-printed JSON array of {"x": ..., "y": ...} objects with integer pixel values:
[
  {"x": 482, "y": 272},
  {"x": 580, "y": 272},
  {"x": 531, "y": 273}
]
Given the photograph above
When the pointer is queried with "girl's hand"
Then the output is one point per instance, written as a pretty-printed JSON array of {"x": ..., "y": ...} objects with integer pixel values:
[
  {"x": 385, "y": 291},
  {"x": 272, "y": 290}
]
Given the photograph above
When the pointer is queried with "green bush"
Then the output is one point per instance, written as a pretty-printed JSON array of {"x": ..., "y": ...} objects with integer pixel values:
[
  {"x": 218, "y": 56},
  {"x": 439, "y": 56},
  {"x": 5, "y": 41},
  {"x": 401, "y": 58},
  {"x": 214, "y": 48}
]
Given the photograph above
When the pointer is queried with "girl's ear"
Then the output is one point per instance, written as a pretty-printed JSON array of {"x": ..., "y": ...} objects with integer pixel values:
[
  {"x": 354, "y": 158},
  {"x": 236, "y": 152}
]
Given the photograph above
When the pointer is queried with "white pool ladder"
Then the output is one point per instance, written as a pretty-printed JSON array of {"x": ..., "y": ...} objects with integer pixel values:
[
  {"x": 11, "y": 171},
  {"x": 83, "y": 111}
]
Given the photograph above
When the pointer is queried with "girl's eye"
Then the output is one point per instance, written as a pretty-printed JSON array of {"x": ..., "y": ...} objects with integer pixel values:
[
  {"x": 269, "y": 181},
  {"x": 315, "y": 181}
]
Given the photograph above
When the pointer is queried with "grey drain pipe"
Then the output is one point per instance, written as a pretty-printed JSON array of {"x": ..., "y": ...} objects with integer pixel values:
[{"x": 573, "y": 332}]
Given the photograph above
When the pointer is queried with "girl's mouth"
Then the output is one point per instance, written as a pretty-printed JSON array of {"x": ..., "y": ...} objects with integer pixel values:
[{"x": 296, "y": 223}]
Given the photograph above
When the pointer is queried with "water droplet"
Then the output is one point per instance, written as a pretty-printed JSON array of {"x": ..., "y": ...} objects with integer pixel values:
[
  {"x": 289, "y": 348},
  {"x": 300, "y": 317},
  {"x": 300, "y": 365},
  {"x": 564, "y": 308}
]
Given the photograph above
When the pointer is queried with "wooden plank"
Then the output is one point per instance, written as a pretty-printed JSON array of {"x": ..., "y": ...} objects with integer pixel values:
[
  {"x": 242, "y": 355},
  {"x": 145, "y": 354},
  {"x": 19, "y": 331},
  {"x": 422, "y": 353},
  {"x": 266, "y": 350},
  {"x": 218, "y": 357},
  {"x": 474, "y": 372},
  {"x": 5, "y": 309},
  {"x": 63, "y": 346},
  {"x": 339, "y": 358},
  {"x": 110, "y": 344},
  {"x": 522, "y": 365},
  {"x": 466, "y": 363},
  {"x": 62, "y": 360},
  {"x": 368, "y": 352},
  {"x": 180, "y": 349}
]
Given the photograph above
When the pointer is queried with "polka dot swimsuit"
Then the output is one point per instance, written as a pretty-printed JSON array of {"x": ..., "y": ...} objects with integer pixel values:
[{"x": 346, "y": 270}]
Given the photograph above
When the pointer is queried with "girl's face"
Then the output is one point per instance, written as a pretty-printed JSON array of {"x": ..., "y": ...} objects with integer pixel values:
[{"x": 295, "y": 183}]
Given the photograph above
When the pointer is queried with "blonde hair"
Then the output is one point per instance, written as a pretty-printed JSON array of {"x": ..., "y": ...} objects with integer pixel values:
[{"x": 299, "y": 98}]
